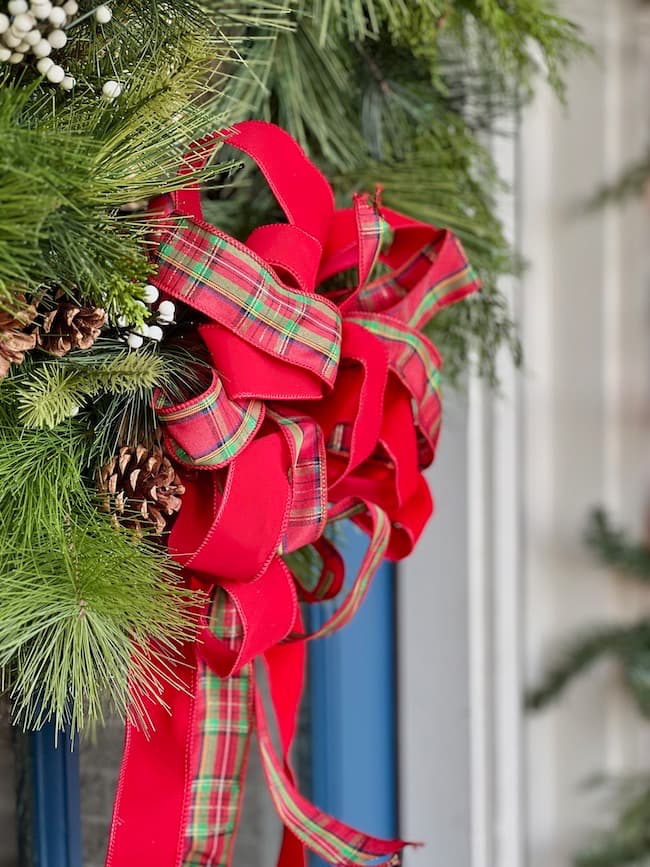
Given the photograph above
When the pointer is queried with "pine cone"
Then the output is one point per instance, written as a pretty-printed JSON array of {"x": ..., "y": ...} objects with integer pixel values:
[
  {"x": 14, "y": 342},
  {"x": 70, "y": 327},
  {"x": 141, "y": 484}
]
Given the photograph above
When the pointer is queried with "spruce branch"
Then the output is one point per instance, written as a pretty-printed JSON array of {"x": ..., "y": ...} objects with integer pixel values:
[{"x": 519, "y": 40}]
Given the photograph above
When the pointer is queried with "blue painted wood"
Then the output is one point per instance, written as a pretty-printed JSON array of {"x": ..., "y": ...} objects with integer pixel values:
[
  {"x": 353, "y": 701},
  {"x": 55, "y": 800}
]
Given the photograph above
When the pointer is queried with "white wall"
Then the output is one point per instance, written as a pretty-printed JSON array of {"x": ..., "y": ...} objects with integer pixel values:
[
  {"x": 585, "y": 325},
  {"x": 502, "y": 574}
]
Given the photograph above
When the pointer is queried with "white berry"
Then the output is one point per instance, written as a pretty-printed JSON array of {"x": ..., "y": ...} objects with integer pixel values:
[
  {"x": 5, "y": 54},
  {"x": 55, "y": 74},
  {"x": 155, "y": 333},
  {"x": 4, "y": 22},
  {"x": 42, "y": 10},
  {"x": 135, "y": 341},
  {"x": 151, "y": 294},
  {"x": 42, "y": 48},
  {"x": 166, "y": 311},
  {"x": 23, "y": 22},
  {"x": 17, "y": 7},
  {"x": 111, "y": 90},
  {"x": 122, "y": 321},
  {"x": 57, "y": 38},
  {"x": 32, "y": 37},
  {"x": 71, "y": 7},
  {"x": 17, "y": 57},
  {"x": 68, "y": 82},
  {"x": 11, "y": 40},
  {"x": 75, "y": 410},
  {"x": 57, "y": 17},
  {"x": 44, "y": 64},
  {"x": 103, "y": 14}
]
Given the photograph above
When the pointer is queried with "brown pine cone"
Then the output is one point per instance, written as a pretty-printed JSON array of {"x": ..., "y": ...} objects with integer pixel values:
[
  {"x": 141, "y": 484},
  {"x": 14, "y": 342},
  {"x": 70, "y": 327}
]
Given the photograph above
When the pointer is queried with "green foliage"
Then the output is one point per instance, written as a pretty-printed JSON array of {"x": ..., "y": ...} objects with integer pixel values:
[
  {"x": 629, "y": 644},
  {"x": 519, "y": 39},
  {"x": 78, "y": 597},
  {"x": 395, "y": 93},
  {"x": 51, "y": 392},
  {"x": 615, "y": 549},
  {"x": 631, "y": 184},
  {"x": 627, "y": 844},
  {"x": 628, "y": 841},
  {"x": 383, "y": 92}
]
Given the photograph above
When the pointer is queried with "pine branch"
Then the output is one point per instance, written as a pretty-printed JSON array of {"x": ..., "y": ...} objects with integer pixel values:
[
  {"x": 631, "y": 184},
  {"x": 627, "y": 844},
  {"x": 512, "y": 36},
  {"x": 51, "y": 392},
  {"x": 580, "y": 655},
  {"x": 77, "y": 620},
  {"x": 613, "y": 548},
  {"x": 78, "y": 598}
]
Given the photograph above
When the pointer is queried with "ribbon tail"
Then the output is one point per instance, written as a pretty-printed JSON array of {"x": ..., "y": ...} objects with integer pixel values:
[
  {"x": 180, "y": 790},
  {"x": 329, "y": 838},
  {"x": 222, "y": 735},
  {"x": 150, "y": 803}
]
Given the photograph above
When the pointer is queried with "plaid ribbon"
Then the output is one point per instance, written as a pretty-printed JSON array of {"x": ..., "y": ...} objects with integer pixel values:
[
  {"x": 319, "y": 409},
  {"x": 225, "y": 724}
]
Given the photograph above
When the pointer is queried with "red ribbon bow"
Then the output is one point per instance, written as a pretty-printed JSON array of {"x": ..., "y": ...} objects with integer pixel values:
[{"x": 320, "y": 406}]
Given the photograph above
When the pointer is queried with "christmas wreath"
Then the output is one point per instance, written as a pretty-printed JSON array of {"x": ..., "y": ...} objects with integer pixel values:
[{"x": 186, "y": 410}]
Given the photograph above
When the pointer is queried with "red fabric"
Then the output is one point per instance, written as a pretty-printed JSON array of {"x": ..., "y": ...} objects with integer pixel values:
[{"x": 320, "y": 406}]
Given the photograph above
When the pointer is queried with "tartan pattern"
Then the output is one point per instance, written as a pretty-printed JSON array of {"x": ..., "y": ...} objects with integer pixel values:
[
  {"x": 340, "y": 440},
  {"x": 424, "y": 285},
  {"x": 417, "y": 363},
  {"x": 334, "y": 841},
  {"x": 308, "y": 509},
  {"x": 329, "y": 582},
  {"x": 372, "y": 232},
  {"x": 225, "y": 725},
  {"x": 208, "y": 431},
  {"x": 223, "y": 279},
  {"x": 379, "y": 539}
]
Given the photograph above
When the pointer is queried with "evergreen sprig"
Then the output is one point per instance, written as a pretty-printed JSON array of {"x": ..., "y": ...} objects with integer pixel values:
[
  {"x": 78, "y": 597},
  {"x": 614, "y": 548},
  {"x": 397, "y": 94},
  {"x": 51, "y": 392},
  {"x": 627, "y": 842}
]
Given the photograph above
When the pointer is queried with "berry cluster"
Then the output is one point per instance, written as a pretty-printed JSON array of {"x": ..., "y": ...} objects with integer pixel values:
[
  {"x": 33, "y": 29},
  {"x": 162, "y": 315}
]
